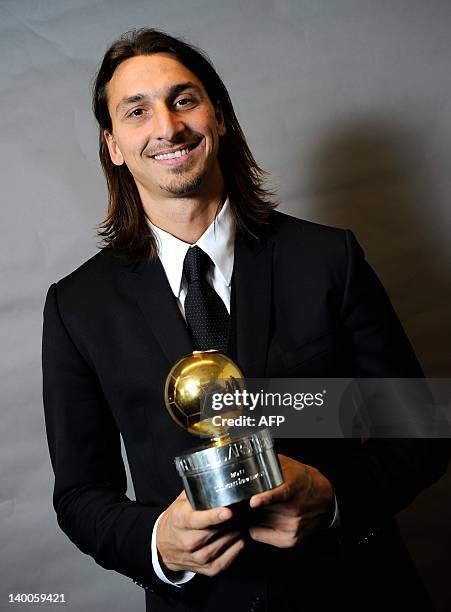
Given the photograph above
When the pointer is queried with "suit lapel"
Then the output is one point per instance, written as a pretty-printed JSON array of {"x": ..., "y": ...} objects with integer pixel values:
[
  {"x": 252, "y": 287},
  {"x": 148, "y": 282}
]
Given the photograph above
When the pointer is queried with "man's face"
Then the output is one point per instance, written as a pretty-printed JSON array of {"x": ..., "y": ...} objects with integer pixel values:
[{"x": 164, "y": 126}]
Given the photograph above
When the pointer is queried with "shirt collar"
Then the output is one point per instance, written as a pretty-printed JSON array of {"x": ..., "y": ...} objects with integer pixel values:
[{"x": 217, "y": 241}]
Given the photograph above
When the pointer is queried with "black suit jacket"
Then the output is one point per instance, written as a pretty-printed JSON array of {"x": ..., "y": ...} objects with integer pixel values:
[{"x": 304, "y": 303}]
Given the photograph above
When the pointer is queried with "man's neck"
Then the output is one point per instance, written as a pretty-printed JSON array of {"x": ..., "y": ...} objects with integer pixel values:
[{"x": 185, "y": 218}]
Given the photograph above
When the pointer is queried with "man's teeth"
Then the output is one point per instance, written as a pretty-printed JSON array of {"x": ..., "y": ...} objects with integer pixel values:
[{"x": 180, "y": 153}]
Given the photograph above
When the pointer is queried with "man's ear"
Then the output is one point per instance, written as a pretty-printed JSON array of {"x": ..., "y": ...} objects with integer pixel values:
[
  {"x": 220, "y": 120},
  {"x": 113, "y": 148}
]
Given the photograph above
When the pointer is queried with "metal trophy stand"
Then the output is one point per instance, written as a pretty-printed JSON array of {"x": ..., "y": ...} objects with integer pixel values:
[{"x": 226, "y": 470}]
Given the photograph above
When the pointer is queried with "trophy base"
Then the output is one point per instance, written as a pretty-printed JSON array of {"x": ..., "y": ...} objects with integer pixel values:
[{"x": 226, "y": 475}]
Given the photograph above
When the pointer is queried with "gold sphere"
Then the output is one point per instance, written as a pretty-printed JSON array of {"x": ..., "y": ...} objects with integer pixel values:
[{"x": 189, "y": 384}]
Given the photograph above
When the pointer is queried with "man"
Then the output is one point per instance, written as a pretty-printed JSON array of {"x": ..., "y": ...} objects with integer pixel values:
[{"x": 282, "y": 296}]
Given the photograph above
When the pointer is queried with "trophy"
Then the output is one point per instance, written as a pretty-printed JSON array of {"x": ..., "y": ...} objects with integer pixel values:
[{"x": 226, "y": 470}]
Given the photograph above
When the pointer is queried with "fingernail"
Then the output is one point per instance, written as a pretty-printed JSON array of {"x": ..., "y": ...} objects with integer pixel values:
[{"x": 224, "y": 515}]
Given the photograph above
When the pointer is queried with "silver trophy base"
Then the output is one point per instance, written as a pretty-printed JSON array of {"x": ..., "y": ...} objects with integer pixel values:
[{"x": 224, "y": 475}]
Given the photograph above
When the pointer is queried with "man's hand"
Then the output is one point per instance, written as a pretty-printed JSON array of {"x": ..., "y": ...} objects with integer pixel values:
[
  {"x": 302, "y": 504},
  {"x": 196, "y": 540}
]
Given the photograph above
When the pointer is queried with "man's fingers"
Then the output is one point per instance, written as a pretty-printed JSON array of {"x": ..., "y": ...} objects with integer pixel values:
[
  {"x": 278, "y": 495},
  {"x": 274, "y": 537},
  {"x": 203, "y": 519},
  {"x": 285, "y": 509},
  {"x": 224, "y": 560},
  {"x": 275, "y": 520},
  {"x": 207, "y": 554},
  {"x": 184, "y": 517}
]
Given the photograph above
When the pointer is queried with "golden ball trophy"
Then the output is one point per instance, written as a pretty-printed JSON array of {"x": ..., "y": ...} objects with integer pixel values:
[{"x": 226, "y": 470}]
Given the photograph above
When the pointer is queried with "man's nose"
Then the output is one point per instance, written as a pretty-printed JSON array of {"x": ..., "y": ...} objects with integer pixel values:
[{"x": 167, "y": 123}]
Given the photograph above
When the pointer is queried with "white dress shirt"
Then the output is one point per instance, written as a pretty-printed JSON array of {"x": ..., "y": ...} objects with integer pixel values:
[{"x": 218, "y": 242}]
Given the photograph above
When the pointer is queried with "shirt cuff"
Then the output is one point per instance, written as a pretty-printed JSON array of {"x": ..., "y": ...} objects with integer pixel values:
[
  {"x": 336, "y": 520},
  {"x": 180, "y": 577}
]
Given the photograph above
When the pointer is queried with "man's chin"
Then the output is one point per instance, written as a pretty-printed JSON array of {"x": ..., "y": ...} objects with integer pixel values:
[{"x": 183, "y": 187}]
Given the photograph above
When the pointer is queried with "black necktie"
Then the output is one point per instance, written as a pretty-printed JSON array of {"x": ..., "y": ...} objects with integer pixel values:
[{"x": 205, "y": 312}]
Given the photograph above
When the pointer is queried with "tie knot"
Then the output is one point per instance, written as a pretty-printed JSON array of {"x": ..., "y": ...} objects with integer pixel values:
[{"x": 195, "y": 264}]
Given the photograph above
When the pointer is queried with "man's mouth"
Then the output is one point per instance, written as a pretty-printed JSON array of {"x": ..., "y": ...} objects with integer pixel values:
[{"x": 176, "y": 153}]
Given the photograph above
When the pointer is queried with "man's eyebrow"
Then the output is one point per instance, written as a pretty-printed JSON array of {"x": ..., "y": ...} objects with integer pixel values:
[
  {"x": 139, "y": 97},
  {"x": 173, "y": 91},
  {"x": 176, "y": 89}
]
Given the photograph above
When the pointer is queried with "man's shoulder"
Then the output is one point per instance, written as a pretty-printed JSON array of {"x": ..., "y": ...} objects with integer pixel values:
[
  {"x": 94, "y": 275},
  {"x": 293, "y": 232},
  {"x": 99, "y": 263}
]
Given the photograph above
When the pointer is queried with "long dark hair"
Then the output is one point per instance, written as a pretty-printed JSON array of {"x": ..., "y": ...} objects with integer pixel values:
[{"x": 125, "y": 227}]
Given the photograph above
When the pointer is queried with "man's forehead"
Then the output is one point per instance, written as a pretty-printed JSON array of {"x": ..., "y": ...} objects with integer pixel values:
[{"x": 157, "y": 73}]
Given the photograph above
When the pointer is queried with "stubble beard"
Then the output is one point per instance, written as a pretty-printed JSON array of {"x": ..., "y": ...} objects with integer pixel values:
[{"x": 183, "y": 186}]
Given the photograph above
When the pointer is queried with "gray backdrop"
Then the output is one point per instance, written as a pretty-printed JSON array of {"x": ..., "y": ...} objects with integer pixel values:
[{"x": 347, "y": 102}]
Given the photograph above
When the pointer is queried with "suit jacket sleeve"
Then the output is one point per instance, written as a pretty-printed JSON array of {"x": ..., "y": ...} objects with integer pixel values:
[
  {"x": 385, "y": 475},
  {"x": 84, "y": 442}
]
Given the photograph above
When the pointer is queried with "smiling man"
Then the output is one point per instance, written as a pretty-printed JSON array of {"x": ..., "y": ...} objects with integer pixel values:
[
  {"x": 196, "y": 257},
  {"x": 167, "y": 132}
]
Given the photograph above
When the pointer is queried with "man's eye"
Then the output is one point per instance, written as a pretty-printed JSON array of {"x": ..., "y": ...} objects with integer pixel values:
[
  {"x": 183, "y": 102},
  {"x": 137, "y": 112}
]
